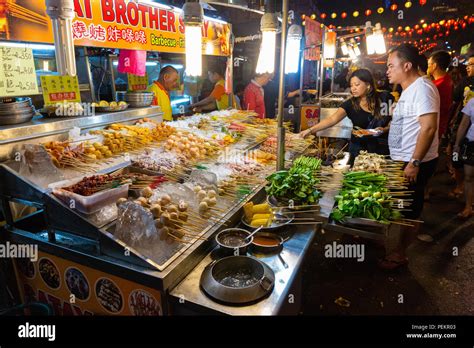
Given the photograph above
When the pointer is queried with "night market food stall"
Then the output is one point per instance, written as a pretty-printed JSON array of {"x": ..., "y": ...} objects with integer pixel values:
[
  {"x": 121, "y": 205},
  {"x": 134, "y": 216}
]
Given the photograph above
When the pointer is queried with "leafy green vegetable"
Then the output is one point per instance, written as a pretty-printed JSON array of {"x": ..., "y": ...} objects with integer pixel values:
[
  {"x": 364, "y": 195},
  {"x": 298, "y": 183}
]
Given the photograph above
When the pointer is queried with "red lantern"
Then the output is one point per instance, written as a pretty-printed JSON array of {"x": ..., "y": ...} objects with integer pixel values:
[
  {"x": 440, "y": 35},
  {"x": 428, "y": 39},
  {"x": 400, "y": 29},
  {"x": 464, "y": 25},
  {"x": 368, "y": 12},
  {"x": 422, "y": 2},
  {"x": 456, "y": 27},
  {"x": 433, "y": 25},
  {"x": 434, "y": 37},
  {"x": 447, "y": 32},
  {"x": 420, "y": 31},
  {"x": 417, "y": 27},
  {"x": 394, "y": 7},
  {"x": 323, "y": 15},
  {"x": 343, "y": 15}
]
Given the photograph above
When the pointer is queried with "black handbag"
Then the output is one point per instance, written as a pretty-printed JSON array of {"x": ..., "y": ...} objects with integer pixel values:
[{"x": 467, "y": 152}]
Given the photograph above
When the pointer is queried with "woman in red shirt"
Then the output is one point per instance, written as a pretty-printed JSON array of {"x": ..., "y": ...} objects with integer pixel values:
[{"x": 254, "y": 95}]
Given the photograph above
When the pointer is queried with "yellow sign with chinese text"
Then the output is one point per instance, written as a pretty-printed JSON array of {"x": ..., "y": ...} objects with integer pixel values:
[
  {"x": 137, "y": 83},
  {"x": 58, "y": 89}
]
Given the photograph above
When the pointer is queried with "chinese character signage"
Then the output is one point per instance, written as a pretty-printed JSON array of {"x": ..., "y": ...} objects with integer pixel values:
[
  {"x": 137, "y": 83},
  {"x": 57, "y": 89},
  {"x": 17, "y": 72},
  {"x": 113, "y": 24}
]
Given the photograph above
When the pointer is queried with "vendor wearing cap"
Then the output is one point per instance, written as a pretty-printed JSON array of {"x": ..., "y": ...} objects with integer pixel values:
[
  {"x": 218, "y": 99},
  {"x": 167, "y": 81}
]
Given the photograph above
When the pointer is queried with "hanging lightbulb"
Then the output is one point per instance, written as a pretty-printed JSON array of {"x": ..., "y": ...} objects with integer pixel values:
[
  {"x": 379, "y": 40},
  {"x": 266, "y": 58},
  {"x": 344, "y": 49},
  {"x": 369, "y": 38},
  {"x": 355, "y": 48},
  {"x": 293, "y": 45},
  {"x": 193, "y": 18}
]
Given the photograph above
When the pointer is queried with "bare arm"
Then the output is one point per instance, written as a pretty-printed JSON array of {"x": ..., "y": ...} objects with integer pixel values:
[
  {"x": 208, "y": 107},
  {"x": 208, "y": 100},
  {"x": 462, "y": 129},
  {"x": 428, "y": 127},
  {"x": 335, "y": 118}
]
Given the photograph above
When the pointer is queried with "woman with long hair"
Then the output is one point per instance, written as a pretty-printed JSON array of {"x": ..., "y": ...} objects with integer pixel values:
[{"x": 367, "y": 109}]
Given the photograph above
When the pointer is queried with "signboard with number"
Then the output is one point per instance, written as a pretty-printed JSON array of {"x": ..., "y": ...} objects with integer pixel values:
[
  {"x": 309, "y": 116},
  {"x": 17, "y": 72},
  {"x": 137, "y": 83},
  {"x": 57, "y": 89}
]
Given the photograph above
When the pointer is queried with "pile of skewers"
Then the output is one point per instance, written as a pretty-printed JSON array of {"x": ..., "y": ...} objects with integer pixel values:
[
  {"x": 96, "y": 183},
  {"x": 371, "y": 196}
]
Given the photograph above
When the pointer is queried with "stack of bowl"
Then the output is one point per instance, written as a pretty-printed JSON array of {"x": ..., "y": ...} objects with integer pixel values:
[
  {"x": 16, "y": 110},
  {"x": 136, "y": 99}
]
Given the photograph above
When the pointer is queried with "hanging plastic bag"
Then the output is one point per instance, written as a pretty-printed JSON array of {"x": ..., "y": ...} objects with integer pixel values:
[{"x": 132, "y": 62}]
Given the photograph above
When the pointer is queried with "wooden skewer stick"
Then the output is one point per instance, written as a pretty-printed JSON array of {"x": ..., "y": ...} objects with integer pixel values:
[{"x": 401, "y": 223}]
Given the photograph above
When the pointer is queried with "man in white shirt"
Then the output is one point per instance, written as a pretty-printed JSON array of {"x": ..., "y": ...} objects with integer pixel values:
[{"x": 413, "y": 137}]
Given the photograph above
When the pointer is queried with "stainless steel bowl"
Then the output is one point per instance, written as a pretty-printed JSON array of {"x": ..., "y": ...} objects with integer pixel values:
[
  {"x": 227, "y": 237},
  {"x": 16, "y": 110},
  {"x": 15, "y": 104},
  {"x": 135, "y": 99},
  {"x": 16, "y": 118}
]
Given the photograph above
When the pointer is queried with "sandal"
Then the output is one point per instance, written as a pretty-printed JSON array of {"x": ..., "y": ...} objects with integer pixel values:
[
  {"x": 391, "y": 265},
  {"x": 455, "y": 194},
  {"x": 462, "y": 215}
]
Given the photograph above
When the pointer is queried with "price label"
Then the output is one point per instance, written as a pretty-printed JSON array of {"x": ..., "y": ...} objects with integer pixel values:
[
  {"x": 17, "y": 72},
  {"x": 57, "y": 89},
  {"x": 137, "y": 83}
]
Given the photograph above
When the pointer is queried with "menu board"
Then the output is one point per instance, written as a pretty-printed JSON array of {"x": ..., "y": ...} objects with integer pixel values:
[
  {"x": 57, "y": 89},
  {"x": 17, "y": 72},
  {"x": 137, "y": 83}
]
